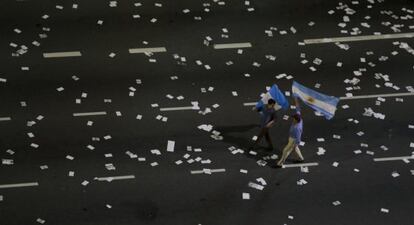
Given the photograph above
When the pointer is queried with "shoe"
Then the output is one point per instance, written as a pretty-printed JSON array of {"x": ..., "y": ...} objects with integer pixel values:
[
  {"x": 298, "y": 161},
  {"x": 279, "y": 165},
  {"x": 276, "y": 166}
]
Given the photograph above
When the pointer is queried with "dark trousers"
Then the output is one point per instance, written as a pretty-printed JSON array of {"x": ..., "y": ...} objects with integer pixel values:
[{"x": 264, "y": 132}]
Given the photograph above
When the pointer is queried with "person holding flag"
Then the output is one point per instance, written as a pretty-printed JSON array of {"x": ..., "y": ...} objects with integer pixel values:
[
  {"x": 268, "y": 119},
  {"x": 323, "y": 104},
  {"x": 271, "y": 102},
  {"x": 295, "y": 135}
]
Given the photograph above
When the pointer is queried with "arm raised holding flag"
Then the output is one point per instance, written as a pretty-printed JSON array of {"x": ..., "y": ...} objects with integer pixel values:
[{"x": 295, "y": 137}]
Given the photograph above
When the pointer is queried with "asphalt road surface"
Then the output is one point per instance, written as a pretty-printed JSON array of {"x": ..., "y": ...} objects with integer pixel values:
[{"x": 95, "y": 129}]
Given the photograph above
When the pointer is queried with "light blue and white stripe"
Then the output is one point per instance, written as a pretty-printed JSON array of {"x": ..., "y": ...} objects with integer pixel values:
[
  {"x": 323, "y": 104},
  {"x": 275, "y": 94}
]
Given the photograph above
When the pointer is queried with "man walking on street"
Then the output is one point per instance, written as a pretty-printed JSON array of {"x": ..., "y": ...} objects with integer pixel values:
[
  {"x": 268, "y": 119},
  {"x": 295, "y": 134}
]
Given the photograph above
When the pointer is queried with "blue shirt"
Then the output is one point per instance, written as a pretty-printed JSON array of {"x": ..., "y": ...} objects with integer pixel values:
[
  {"x": 296, "y": 130},
  {"x": 267, "y": 115}
]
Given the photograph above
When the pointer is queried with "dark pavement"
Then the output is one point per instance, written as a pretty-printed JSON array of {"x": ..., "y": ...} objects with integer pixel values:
[{"x": 168, "y": 193}]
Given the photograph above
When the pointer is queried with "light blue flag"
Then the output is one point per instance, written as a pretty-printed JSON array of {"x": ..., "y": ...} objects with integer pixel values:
[
  {"x": 275, "y": 94},
  {"x": 324, "y": 104}
]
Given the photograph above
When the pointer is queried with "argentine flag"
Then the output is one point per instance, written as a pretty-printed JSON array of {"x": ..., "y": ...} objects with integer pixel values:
[
  {"x": 275, "y": 94},
  {"x": 322, "y": 103}
]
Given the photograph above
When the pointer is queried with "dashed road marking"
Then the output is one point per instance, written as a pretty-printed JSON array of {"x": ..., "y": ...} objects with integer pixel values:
[
  {"x": 90, "y": 114},
  {"x": 179, "y": 108},
  {"x": 5, "y": 118},
  {"x": 147, "y": 50},
  {"x": 126, "y": 177},
  {"x": 233, "y": 45},
  {"x": 393, "y": 158},
  {"x": 358, "y": 38},
  {"x": 300, "y": 165},
  {"x": 62, "y": 54},
  {"x": 207, "y": 171},
  {"x": 19, "y": 185}
]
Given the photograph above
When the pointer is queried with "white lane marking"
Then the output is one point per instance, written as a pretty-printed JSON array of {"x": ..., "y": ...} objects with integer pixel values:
[
  {"x": 19, "y": 185},
  {"x": 233, "y": 45},
  {"x": 358, "y": 38},
  {"x": 147, "y": 50},
  {"x": 378, "y": 95},
  {"x": 207, "y": 171},
  {"x": 90, "y": 114},
  {"x": 126, "y": 177},
  {"x": 300, "y": 165},
  {"x": 179, "y": 108},
  {"x": 393, "y": 158},
  {"x": 249, "y": 103},
  {"x": 218, "y": 170},
  {"x": 357, "y": 97},
  {"x": 5, "y": 118},
  {"x": 62, "y": 54}
]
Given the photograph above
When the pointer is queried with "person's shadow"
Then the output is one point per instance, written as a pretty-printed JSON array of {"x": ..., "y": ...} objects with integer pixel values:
[{"x": 230, "y": 136}]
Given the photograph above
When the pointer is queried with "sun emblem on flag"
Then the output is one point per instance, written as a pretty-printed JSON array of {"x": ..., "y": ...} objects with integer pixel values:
[{"x": 310, "y": 100}]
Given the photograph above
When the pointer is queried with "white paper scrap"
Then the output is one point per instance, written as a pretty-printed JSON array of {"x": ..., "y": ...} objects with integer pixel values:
[
  {"x": 256, "y": 186},
  {"x": 384, "y": 210},
  {"x": 336, "y": 203},
  {"x": 243, "y": 171},
  {"x": 246, "y": 196},
  {"x": 170, "y": 146}
]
